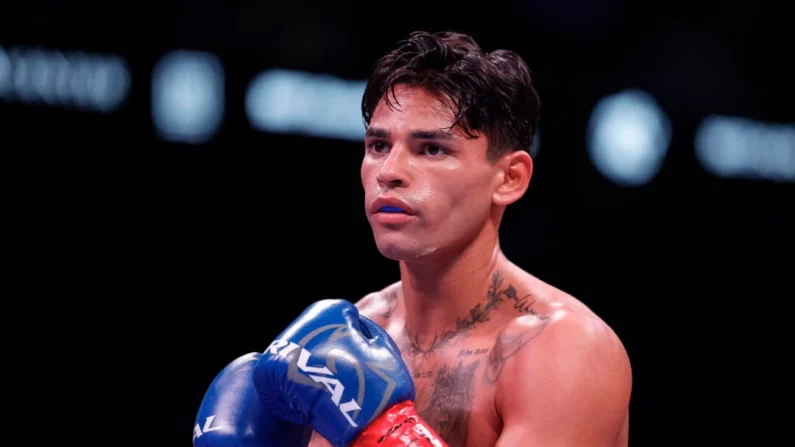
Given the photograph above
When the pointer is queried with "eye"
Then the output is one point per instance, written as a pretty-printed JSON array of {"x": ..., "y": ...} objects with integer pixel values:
[
  {"x": 434, "y": 150},
  {"x": 377, "y": 146}
]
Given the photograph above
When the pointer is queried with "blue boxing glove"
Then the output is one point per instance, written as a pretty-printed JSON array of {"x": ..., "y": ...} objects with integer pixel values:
[
  {"x": 338, "y": 371},
  {"x": 231, "y": 414}
]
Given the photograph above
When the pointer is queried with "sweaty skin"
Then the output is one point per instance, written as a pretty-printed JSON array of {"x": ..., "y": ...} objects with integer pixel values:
[{"x": 499, "y": 358}]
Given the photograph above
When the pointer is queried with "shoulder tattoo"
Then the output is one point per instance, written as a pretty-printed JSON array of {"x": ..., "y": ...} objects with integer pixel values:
[{"x": 511, "y": 340}]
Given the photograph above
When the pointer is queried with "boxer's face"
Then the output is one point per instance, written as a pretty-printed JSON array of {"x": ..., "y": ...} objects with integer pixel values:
[{"x": 441, "y": 176}]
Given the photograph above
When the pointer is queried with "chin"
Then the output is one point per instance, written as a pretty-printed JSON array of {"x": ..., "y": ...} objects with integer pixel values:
[{"x": 403, "y": 250}]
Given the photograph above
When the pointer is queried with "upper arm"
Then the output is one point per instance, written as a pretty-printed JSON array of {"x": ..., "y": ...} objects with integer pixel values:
[{"x": 568, "y": 387}]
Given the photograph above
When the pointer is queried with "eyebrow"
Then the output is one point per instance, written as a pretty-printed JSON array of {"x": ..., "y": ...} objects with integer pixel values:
[{"x": 437, "y": 134}]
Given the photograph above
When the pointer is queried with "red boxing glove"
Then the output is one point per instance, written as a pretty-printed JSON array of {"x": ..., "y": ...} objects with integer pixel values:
[{"x": 399, "y": 426}]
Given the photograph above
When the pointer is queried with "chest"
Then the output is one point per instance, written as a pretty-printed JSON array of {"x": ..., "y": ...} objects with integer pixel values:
[{"x": 453, "y": 392}]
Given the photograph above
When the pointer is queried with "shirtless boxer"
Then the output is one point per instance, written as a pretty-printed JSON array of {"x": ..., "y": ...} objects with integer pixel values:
[{"x": 498, "y": 357}]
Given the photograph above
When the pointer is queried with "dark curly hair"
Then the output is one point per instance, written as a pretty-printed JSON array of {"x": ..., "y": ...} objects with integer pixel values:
[{"x": 490, "y": 93}]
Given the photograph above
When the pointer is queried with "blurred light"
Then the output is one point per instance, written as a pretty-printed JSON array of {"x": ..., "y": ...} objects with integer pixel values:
[
  {"x": 284, "y": 101},
  {"x": 628, "y": 137},
  {"x": 85, "y": 81},
  {"x": 188, "y": 96},
  {"x": 743, "y": 148},
  {"x": 5, "y": 73}
]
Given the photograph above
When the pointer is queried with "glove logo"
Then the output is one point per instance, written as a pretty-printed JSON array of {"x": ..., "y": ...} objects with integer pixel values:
[
  {"x": 199, "y": 431},
  {"x": 320, "y": 376}
]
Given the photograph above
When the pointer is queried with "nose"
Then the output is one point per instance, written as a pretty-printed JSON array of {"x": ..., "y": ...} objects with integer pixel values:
[{"x": 394, "y": 171}]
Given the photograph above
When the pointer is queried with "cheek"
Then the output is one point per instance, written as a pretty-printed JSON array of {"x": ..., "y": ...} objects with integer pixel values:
[
  {"x": 466, "y": 200},
  {"x": 366, "y": 172}
]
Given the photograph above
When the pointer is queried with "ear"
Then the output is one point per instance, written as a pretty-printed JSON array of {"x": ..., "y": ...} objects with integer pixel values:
[{"x": 515, "y": 171}]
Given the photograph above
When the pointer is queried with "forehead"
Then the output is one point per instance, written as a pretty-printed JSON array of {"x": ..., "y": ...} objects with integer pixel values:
[{"x": 412, "y": 108}]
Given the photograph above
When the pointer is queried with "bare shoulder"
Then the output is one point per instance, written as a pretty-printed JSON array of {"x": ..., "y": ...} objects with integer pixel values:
[
  {"x": 559, "y": 351},
  {"x": 551, "y": 323},
  {"x": 380, "y": 305},
  {"x": 553, "y": 329}
]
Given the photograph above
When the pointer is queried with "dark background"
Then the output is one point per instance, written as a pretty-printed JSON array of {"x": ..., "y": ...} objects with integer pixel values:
[{"x": 146, "y": 266}]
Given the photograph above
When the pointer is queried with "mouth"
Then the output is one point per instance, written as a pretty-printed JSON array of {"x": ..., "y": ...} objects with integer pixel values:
[
  {"x": 390, "y": 205},
  {"x": 391, "y": 209},
  {"x": 393, "y": 215}
]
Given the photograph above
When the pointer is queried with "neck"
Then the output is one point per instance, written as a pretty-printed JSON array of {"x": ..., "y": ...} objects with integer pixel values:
[{"x": 438, "y": 292}]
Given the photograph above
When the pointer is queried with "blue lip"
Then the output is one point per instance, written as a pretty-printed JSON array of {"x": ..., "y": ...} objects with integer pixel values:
[{"x": 391, "y": 209}]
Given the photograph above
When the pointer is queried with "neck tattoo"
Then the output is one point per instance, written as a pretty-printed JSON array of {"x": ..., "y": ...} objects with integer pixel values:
[{"x": 495, "y": 296}]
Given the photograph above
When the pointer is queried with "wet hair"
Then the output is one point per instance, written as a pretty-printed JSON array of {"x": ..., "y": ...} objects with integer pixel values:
[{"x": 489, "y": 93}]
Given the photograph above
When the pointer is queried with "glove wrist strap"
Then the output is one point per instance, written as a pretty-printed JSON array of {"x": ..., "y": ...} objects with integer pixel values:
[{"x": 399, "y": 426}]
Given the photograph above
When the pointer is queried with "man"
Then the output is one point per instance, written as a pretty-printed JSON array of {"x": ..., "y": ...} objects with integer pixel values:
[{"x": 497, "y": 356}]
